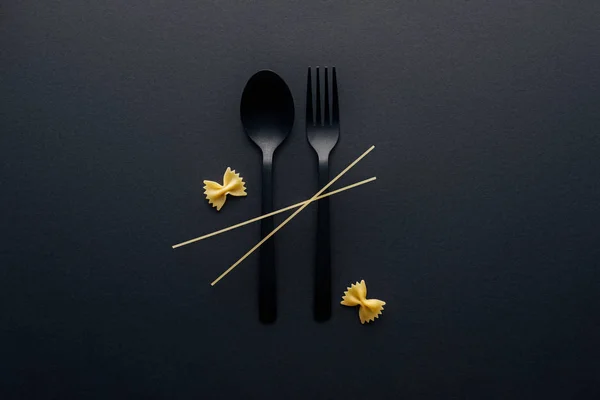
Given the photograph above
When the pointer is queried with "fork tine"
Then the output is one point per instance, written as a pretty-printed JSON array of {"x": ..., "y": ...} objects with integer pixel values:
[
  {"x": 309, "y": 100},
  {"x": 336, "y": 104},
  {"x": 326, "y": 101},
  {"x": 319, "y": 121}
]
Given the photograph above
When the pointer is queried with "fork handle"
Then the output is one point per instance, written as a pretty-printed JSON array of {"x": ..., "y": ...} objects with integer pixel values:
[
  {"x": 267, "y": 273},
  {"x": 322, "y": 300}
]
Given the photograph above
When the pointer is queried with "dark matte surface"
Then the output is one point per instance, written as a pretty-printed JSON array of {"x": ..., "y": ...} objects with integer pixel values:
[{"x": 481, "y": 232}]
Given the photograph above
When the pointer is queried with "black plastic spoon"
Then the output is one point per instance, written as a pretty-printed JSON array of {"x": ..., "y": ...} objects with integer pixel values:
[{"x": 267, "y": 112}]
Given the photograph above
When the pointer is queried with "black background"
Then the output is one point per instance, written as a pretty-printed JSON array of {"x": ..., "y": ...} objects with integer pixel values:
[{"x": 481, "y": 232}]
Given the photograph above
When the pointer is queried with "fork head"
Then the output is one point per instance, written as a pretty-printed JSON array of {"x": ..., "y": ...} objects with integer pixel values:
[{"x": 322, "y": 123}]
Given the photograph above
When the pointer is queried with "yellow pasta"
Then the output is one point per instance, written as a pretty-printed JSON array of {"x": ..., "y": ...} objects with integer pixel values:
[
  {"x": 233, "y": 184},
  {"x": 356, "y": 295}
]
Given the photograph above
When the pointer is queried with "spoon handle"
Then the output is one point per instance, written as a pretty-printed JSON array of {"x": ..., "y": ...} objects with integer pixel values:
[
  {"x": 322, "y": 299},
  {"x": 267, "y": 274}
]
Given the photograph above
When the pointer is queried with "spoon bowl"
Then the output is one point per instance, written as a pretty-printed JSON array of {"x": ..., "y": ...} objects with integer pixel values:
[{"x": 267, "y": 110}]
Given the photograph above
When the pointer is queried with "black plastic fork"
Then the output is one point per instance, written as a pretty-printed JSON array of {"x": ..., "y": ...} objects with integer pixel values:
[{"x": 323, "y": 132}]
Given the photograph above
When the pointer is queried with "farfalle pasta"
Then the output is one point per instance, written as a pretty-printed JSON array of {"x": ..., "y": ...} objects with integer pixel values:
[
  {"x": 233, "y": 184},
  {"x": 356, "y": 295}
]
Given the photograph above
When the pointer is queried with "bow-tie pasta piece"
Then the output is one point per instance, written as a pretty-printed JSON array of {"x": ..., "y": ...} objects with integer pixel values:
[
  {"x": 233, "y": 184},
  {"x": 356, "y": 295}
]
